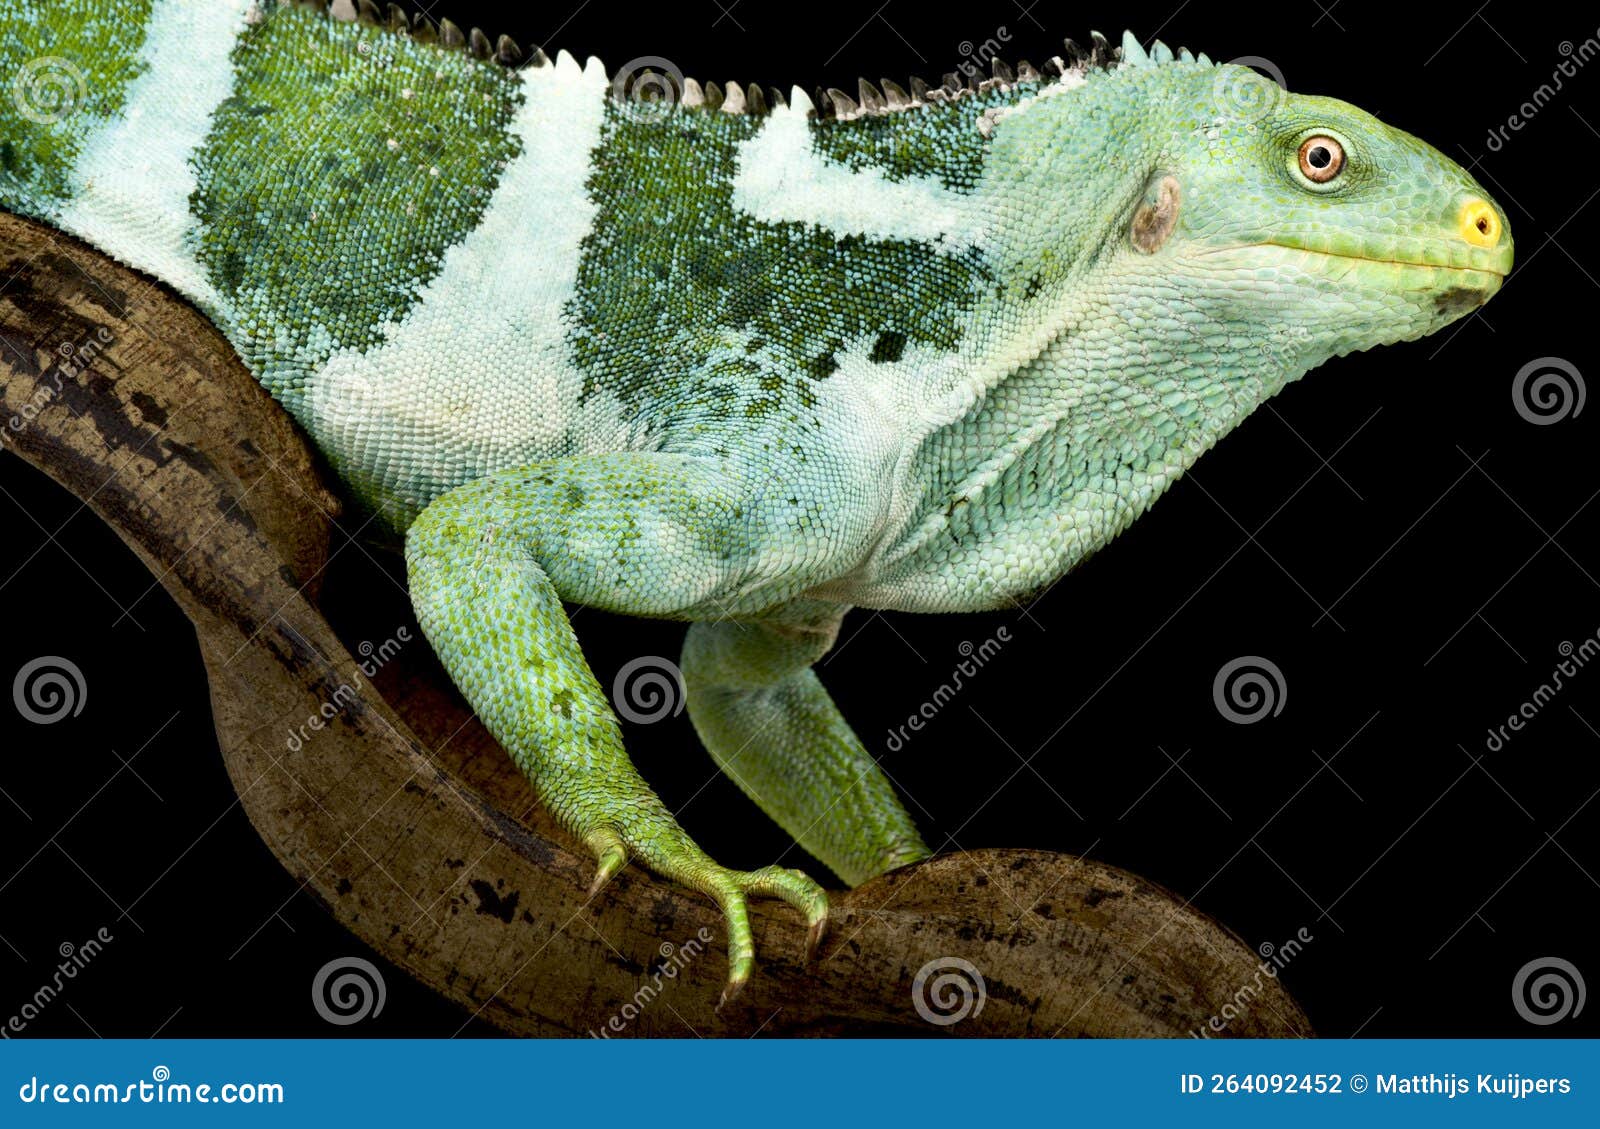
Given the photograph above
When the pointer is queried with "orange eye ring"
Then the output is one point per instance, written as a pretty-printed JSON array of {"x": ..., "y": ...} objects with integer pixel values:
[{"x": 1321, "y": 158}]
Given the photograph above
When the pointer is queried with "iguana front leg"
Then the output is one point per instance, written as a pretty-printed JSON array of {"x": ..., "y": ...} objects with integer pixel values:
[
  {"x": 490, "y": 564},
  {"x": 766, "y": 719}
]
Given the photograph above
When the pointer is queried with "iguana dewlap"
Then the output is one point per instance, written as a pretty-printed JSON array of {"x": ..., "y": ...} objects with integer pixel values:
[{"x": 732, "y": 358}]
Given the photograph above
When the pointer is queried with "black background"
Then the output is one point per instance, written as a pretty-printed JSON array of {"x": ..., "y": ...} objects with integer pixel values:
[{"x": 1390, "y": 532}]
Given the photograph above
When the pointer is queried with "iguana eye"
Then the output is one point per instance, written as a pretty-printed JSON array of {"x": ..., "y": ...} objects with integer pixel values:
[{"x": 1321, "y": 158}]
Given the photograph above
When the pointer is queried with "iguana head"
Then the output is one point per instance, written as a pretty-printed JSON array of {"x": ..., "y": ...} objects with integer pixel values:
[
  {"x": 1318, "y": 218},
  {"x": 1225, "y": 215}
]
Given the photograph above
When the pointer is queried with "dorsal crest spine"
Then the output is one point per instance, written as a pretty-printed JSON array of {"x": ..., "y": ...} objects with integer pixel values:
[{"x": 887, "y": 97}]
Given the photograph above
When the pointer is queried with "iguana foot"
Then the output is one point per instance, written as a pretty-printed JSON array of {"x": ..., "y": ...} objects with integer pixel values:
[{"x": 681, "y": 860}]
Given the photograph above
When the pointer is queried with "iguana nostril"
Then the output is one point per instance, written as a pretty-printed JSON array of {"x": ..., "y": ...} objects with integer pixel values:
[{"x": 1479, "y": 224}]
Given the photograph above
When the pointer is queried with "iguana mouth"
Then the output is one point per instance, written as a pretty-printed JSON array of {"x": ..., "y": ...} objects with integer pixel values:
[
  {"x": 1500, "y": 274},
  {"x": 1377, "y": 260}
]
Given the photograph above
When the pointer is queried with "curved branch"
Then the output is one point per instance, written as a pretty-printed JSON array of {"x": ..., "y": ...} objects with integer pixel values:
[{"x": 130, "y": 400}]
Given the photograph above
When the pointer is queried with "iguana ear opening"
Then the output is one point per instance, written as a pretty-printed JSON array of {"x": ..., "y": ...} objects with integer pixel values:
[{"x": 1156, "y": 216}]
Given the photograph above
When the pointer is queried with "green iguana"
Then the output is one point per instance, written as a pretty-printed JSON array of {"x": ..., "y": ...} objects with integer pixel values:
[{"x": 717, "y": 355}]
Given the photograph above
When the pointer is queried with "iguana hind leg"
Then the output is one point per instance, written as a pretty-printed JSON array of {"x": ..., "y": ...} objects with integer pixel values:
[
  {"x": 489, "y": 565},
  {"x": 769, "y": 724}
]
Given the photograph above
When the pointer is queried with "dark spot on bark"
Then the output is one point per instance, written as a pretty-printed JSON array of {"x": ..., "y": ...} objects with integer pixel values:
[
  {"x": 92, "y": 396},
  {"x": 19, "y": 354},
  {"x": 228, "y": 506},
  {"x": 664, "y": 914},
  {"x": 153, "y": 412},
  {"x": 529, "y": 846},
  {"x": 1096, "y": 895},
  {"x": 491, "y": 904},
  {"x": 193, "y": 456},
  {"x": 631, "y": 967},
  {"x": 343, "y": 886}
]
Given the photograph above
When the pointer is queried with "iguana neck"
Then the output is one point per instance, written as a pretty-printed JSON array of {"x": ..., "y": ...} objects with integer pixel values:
[{"x": 1061, "y": 456}]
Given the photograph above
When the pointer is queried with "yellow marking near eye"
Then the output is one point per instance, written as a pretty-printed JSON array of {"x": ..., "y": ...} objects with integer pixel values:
[{"x": 1478, "y": 223}]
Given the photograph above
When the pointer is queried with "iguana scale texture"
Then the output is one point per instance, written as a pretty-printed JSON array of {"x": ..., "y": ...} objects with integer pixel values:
[{"x": 728, "y": 357}]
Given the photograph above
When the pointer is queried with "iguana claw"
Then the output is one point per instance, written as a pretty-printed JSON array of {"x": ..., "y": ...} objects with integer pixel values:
[
  {"x": 613, "y": 856},
  {"x": 814, "y": 936}
]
